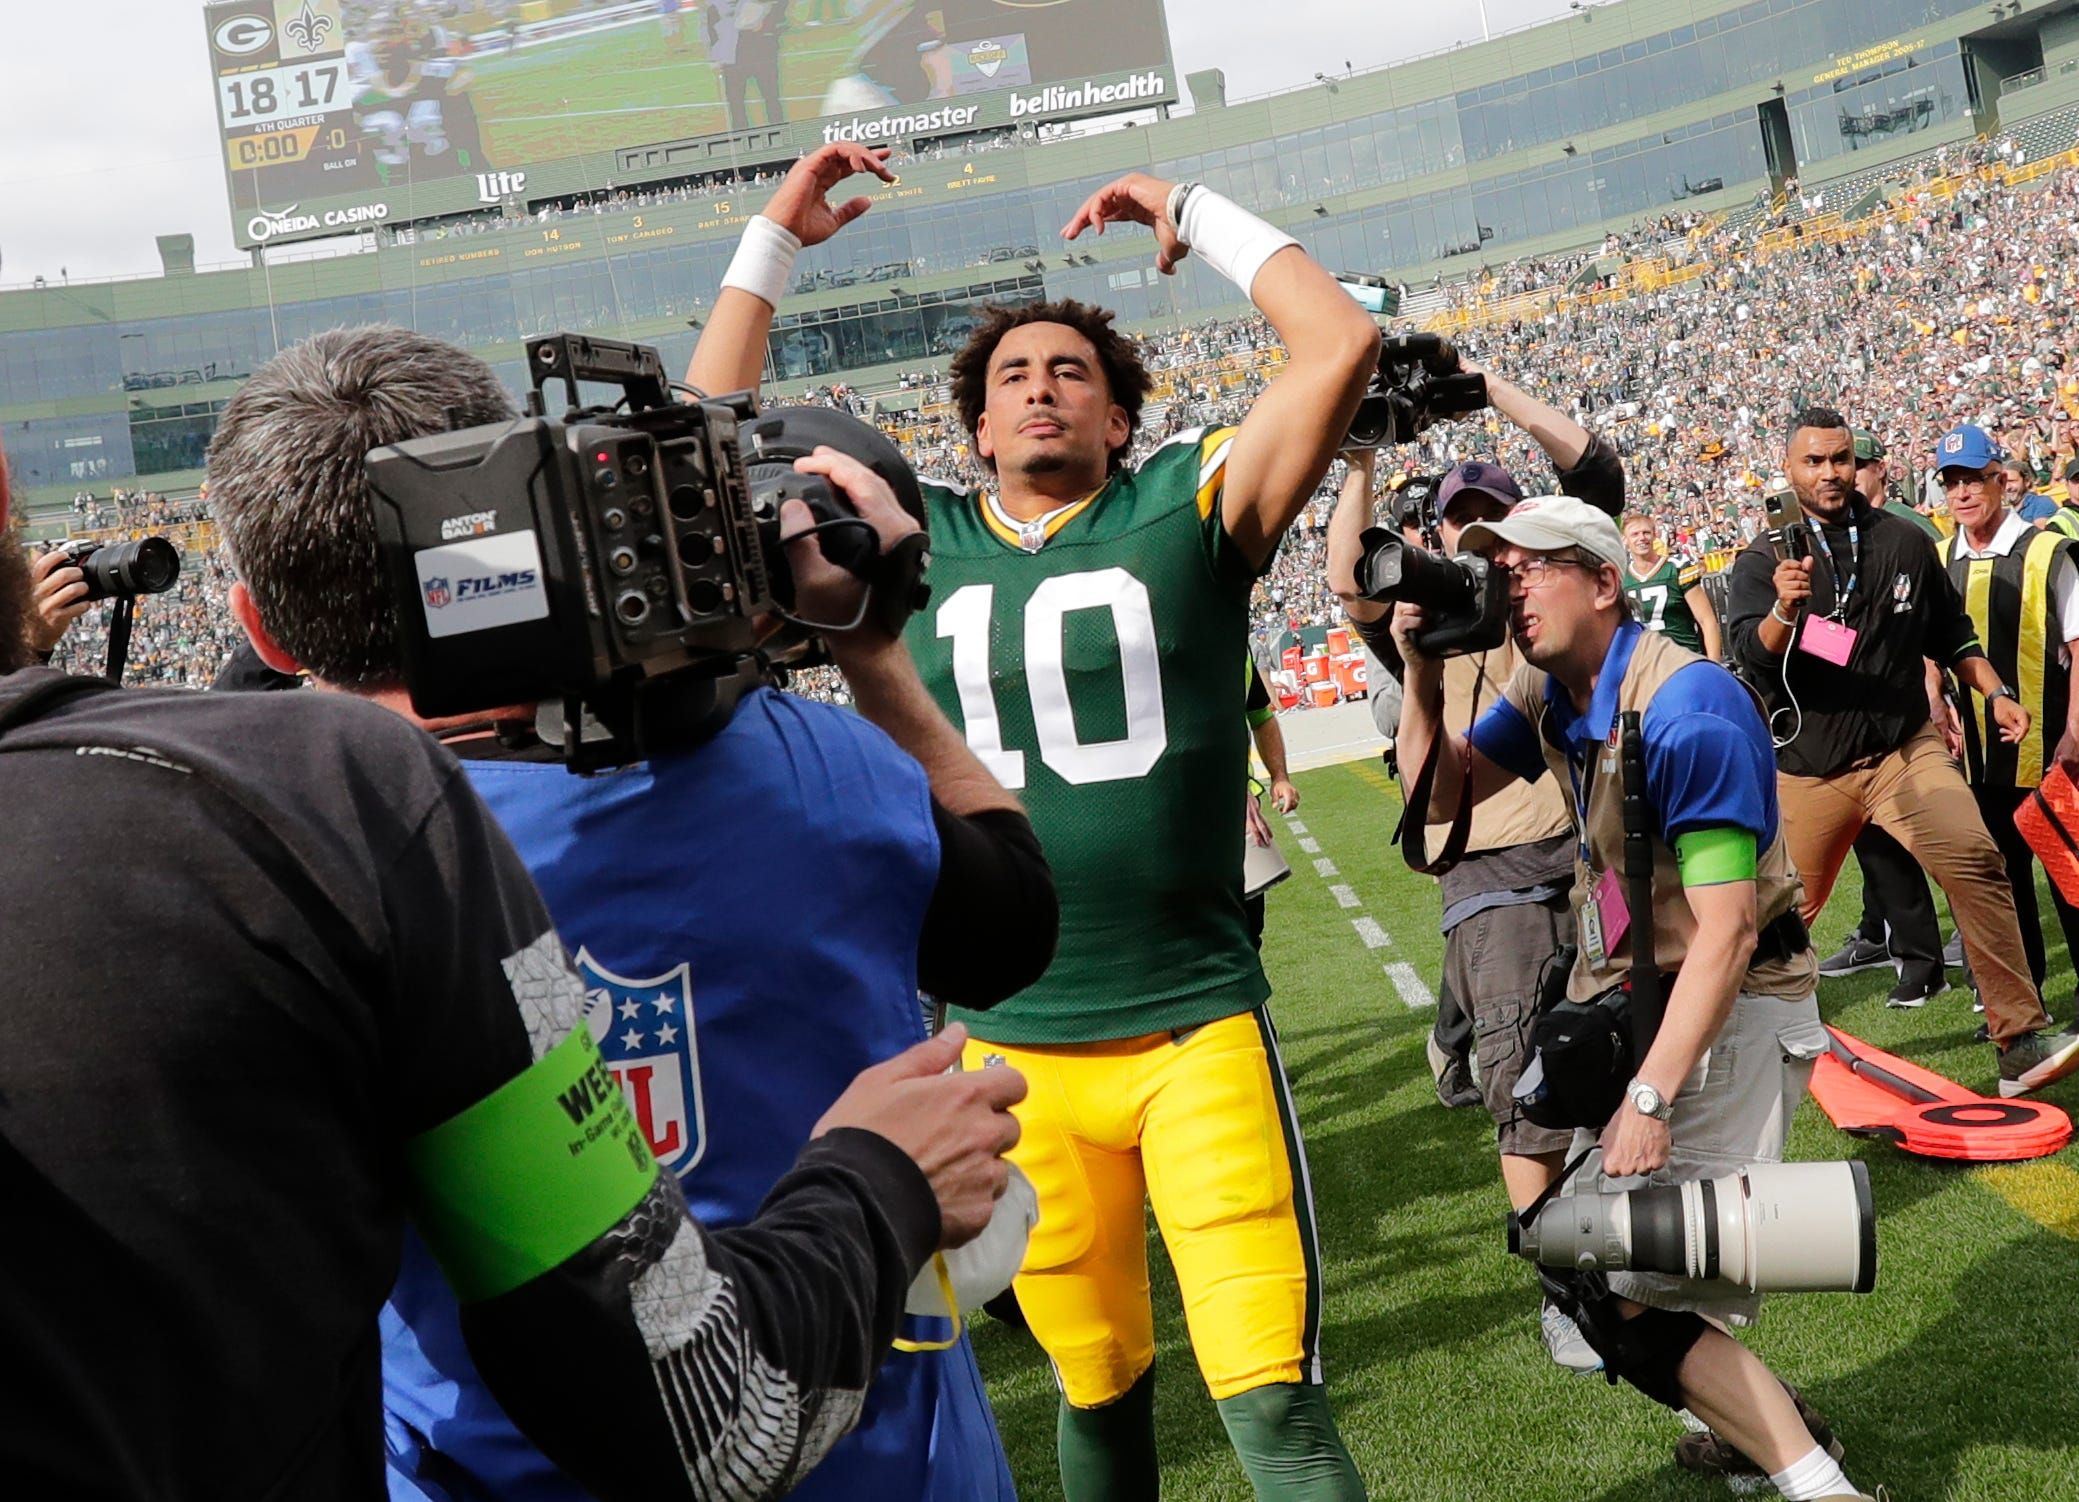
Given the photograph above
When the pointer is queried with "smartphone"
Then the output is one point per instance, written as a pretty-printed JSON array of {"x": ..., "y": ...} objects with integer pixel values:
[{"x": 1786, "y": 520}]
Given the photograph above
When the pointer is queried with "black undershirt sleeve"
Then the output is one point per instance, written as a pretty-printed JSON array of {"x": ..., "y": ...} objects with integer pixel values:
[
  {"x": 990, "y": 865},
  {"x": 670, "y": 1362},
  {"x": 1751, "y": 595},
  {"x": 1597, "y": 478}
]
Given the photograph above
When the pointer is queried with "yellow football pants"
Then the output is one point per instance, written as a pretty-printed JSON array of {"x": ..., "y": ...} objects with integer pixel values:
[{"x": 1202, "y": 1125}]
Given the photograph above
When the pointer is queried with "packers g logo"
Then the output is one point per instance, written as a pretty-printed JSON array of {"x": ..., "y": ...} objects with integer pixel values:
[{"x": 241, "y": 36}]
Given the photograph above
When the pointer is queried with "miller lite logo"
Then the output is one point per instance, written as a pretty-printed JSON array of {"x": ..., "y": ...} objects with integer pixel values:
[
  {"x": 439, "y": 594},
  {"x": 496, "y": 187},
  {"x": 644, "y": 1029}
]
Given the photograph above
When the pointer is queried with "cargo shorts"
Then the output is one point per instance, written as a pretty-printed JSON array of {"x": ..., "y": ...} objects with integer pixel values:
[{"x": 1492, "y": 963}]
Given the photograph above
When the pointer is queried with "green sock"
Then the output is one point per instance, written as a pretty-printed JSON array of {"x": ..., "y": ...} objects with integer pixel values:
[
  {"x": 1286, "y": 1440},
  {"x": 1108, "y": 1454}
]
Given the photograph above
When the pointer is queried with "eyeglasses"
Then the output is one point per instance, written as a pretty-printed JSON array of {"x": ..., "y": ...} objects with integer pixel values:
[{"x": 1536, "y": 572}]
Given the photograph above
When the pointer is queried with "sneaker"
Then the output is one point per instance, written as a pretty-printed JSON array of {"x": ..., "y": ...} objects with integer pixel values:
[
  {"x": 1707, "y": 1455},
  {"x": 1563, "y": 1339},
  {"x": 1454, "y": 1081},
  {"x": 2036, "y": 1059},
  {"x": 1952, "y": 952},
  {"x": 1984, "y": 1033},
  {"x": 1857, "y": 954},
  {"x": 1916, "y": 991}
]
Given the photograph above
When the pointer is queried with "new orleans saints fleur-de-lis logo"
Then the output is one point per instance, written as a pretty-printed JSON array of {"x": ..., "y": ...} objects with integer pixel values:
[{"x": 308, "y": 29}]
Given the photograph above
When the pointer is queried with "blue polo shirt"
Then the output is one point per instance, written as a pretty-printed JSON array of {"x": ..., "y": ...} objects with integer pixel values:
[{"x": 1709, "y": 763}]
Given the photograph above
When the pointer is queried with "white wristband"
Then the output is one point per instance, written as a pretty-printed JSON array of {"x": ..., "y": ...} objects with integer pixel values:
[
  {"x": 764, "y": 260},
  {"x": 1230, "y": 239}
]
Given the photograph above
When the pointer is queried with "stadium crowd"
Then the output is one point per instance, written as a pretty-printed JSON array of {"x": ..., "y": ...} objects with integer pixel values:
[{"x": 1963, "y": 307}]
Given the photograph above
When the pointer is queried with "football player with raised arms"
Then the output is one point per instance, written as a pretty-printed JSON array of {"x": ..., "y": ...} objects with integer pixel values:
[{"x": 1085, "y": 622}]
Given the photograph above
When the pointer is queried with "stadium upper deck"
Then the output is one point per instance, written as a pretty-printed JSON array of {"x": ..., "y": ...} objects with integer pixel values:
[{"x": 1534, "y": 142}]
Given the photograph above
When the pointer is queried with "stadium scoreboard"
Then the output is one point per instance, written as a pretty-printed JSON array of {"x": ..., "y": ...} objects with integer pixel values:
[{"x": 337, "y": 114}]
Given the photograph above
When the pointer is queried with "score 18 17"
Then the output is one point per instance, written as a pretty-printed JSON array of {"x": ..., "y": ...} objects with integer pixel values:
[{"x": 294, "y": 90}]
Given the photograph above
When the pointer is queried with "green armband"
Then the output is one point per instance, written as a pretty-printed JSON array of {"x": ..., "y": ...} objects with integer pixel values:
[
  {"x": 530, "y": 1175},
  {"x": 1258, "y": 717},
  {"x": 1712, "y": 857}
]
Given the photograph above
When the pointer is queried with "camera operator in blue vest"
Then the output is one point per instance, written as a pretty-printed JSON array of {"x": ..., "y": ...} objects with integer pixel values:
[{"x": 753, "y": 917}]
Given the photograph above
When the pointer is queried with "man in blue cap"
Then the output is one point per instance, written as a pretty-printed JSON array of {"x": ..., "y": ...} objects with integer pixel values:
[
  {"x": 2021, "y": 587},
  {"x": 1831, "y": 624}
]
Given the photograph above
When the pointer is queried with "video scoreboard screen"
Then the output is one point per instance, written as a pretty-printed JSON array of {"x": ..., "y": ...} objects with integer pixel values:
[{"x": 321, "y": 101}]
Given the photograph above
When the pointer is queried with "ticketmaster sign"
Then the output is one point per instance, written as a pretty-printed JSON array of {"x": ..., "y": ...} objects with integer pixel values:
[{"x": 328, "y": 110}]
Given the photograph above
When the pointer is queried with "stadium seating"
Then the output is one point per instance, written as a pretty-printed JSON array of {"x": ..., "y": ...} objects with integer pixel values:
[{"x": 1680, "y": 360}]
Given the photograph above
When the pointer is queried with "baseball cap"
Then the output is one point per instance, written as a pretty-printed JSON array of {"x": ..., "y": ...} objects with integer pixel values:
[
  {"x": 1476, "y": 475},
  {"x": 1966, "y": 446},
  {"x": 2072, "y": 470},
  {"x": 1547, "y": 523},
  {"x": 1868, "y": 447},
  {"x": 1411, "y": 499}
]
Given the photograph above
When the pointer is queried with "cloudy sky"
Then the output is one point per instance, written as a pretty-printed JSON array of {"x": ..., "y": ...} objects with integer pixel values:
[{"x": 109, "y": 140}]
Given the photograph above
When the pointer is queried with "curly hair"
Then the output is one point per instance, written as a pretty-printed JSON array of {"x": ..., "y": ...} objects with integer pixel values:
[{"x": 1126, "y": 379}]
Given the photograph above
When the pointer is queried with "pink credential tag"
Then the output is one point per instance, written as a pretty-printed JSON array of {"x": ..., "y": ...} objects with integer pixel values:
[
  {"x": 1610, "y": 908},
  {"x": 1829, "y": 641}
]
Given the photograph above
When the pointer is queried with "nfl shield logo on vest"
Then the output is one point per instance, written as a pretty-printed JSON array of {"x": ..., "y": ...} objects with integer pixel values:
[{"x": 644, "y": 1029}]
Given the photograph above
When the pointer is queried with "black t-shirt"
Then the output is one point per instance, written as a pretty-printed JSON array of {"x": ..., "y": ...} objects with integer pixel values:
[
  {"x": 237, "y": 974},
  {"x": 252, "y": 944},
  {"x": 1904, "y": 608}
]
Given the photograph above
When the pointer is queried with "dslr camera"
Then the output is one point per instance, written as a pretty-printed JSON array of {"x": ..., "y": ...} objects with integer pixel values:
[
  {"x": 1466, "y": 596},
  {"x": 123, "y": 570},
  {"x": 1419, "y": 381},
  {"x": 1769, "y": 1228},
  {"x": 622, "y": 564}
]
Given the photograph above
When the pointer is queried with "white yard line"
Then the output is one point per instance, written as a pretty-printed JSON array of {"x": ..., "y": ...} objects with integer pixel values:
[{"x": 1414, "y": 994}]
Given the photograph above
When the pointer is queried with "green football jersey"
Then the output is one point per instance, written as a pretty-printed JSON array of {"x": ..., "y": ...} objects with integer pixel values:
[
  {"x": 1662, "y": 603},
  {"x": 1089, "y": 660}
]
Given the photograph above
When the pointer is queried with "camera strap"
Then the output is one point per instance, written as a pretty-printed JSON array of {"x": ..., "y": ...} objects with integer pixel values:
[
  {"x": 1550, "y": 1192},
  {"x": 1648, "y": 985},
  {"x": 1413, "y": 833}
]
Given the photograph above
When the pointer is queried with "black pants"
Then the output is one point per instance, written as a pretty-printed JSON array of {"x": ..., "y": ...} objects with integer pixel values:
[
  {"x": 1997, "y": 805},
  {"x": 1895, "y": 895},
  {"x": 757, "y": 60}
]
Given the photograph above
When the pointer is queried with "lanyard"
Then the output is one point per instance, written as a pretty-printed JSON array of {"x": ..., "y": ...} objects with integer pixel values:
[
  {"x": 1581, "y": 792},
  {"x": 1841, "y": 592}
]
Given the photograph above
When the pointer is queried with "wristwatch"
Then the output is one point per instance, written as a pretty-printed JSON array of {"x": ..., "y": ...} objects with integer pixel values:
[
  {"x": 2004, "y": 692},
  {"x": 1647, "y": 1101}
]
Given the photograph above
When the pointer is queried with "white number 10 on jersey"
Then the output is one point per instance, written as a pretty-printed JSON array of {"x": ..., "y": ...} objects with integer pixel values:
[{"x": 965, "y": 617}]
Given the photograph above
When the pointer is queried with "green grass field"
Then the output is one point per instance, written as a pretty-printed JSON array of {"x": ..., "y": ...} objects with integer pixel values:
[
  {"x": 628, "y": 84},
  {"x": 1958, "y": 1378}
]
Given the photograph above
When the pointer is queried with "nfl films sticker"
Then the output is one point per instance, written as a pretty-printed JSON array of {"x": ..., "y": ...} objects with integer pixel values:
[{"x": 481, "y": 584}]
